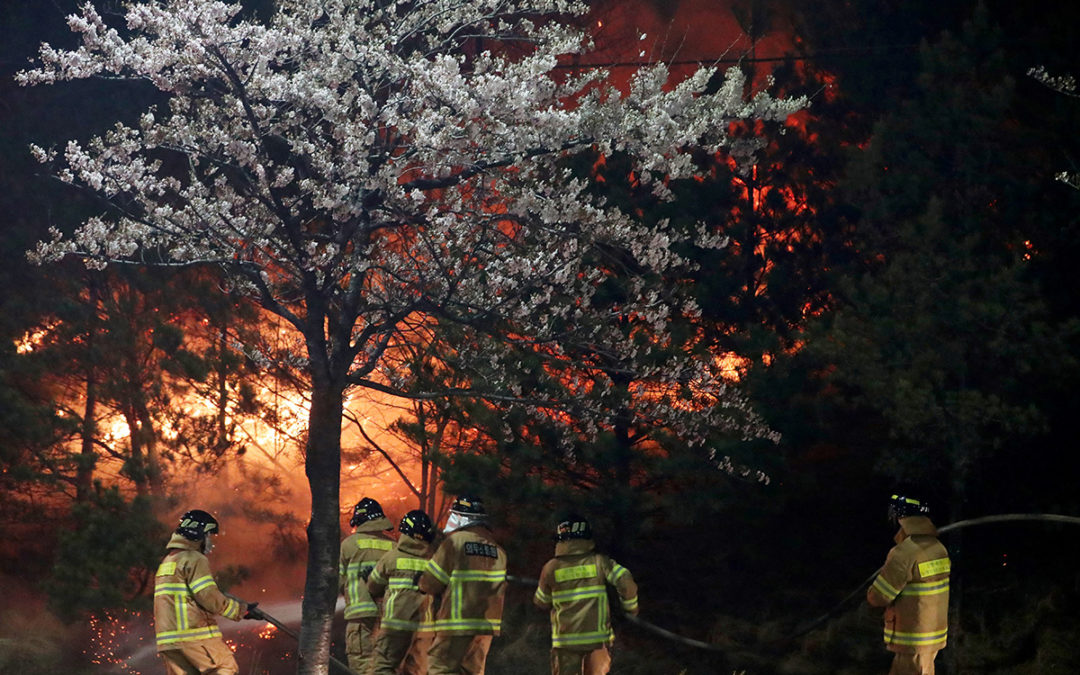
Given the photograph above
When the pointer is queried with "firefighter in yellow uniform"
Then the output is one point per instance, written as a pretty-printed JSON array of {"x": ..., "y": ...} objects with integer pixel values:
[
  {"x": 187, "y": 600},
  {"x": 573, "y": 587},
  {"x": 913, "y": 587},
  {"x": 405, "y": 630},
  {"x": 359, "y": 553},
  {"x": 468, "y": 575}
]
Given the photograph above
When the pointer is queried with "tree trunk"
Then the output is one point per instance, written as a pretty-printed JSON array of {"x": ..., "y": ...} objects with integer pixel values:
[
  {"x": 136, "y": 463},
  {"x": 425, "y": 455},
  {"x": 149, "y": 443},
  {"x": 84, "y": 473},
  {"x": 423, "y": 500},
  {"x": 429, "y": 472},
  {"x": 323, "y": 469},
  {"x": 221, "y": 371},
  {"x": 625, "y": 512}
]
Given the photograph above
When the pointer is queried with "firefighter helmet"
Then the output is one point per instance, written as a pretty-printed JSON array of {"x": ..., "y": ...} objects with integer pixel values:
[
  {"x": 573, "y": 527},
  {"x": 417, "y": 525},
  {"x": 366, "y": 509},
  {"x": 196, "y": 524},
  {"x": 469, "y": 506},
  {"x": 902, "y": 506}
]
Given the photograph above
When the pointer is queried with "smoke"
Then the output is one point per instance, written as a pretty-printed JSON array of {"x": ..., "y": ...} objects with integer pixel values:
[
  {"x": 686, "y": 33},
  {"x": 288, "y": 613},
  {"x": 262, "y": 499},
  {"x": 32, "y": 640},
  {"x": 262, "y": 503}
]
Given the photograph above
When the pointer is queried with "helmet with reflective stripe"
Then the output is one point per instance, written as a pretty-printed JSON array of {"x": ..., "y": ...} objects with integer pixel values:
[
  {"x": 573, "y": 527},
  {"x": 196, "y": 524},
  {"x": 902, "y": 506},
  {"x": 366, "y": 509},
  {"x": 417, "y": 525},
  {"x": 469, "y": 506}
]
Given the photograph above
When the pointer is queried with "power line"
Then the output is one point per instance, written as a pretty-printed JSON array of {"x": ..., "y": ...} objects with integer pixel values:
[{"x": 704, "y": 61}]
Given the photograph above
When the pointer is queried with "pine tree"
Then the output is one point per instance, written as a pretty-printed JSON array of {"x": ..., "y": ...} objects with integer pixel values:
[
  {"x": 943, "y": 339},
  {"x": 354, "y": 165}
]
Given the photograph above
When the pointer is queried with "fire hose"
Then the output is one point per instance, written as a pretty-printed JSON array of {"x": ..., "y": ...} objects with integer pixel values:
[
  {"x": 675, "y": 637},
  {"x": 259, "y": 615},
  {"x": 698, "y": 644},
  {"x": 1002, "y": 518},
  {"x": 663, "y": 632}
]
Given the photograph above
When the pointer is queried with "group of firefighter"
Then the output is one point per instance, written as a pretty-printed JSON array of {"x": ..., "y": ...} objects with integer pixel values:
[{"x": 413, "y": 608}]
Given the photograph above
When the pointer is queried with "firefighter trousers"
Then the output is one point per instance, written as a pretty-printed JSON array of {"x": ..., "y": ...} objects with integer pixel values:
[
  {"x": 360, "y": 642},
  {"x": 458, "y": 654},
  {"x": 400, "y": 652},
  {"x": 206, "y": 657},
  {"x": 577, "y": 662},
  {"x": 921, "y": 663}
]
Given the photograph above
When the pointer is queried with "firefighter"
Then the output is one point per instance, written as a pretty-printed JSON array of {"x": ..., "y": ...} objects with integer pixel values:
[
  {"x": 359, "y": 553},
  {"x": 913, "y": 587},
  {"x": 573, "y": 587},
  {"x": 405, "y": 629},
  {"x": 187, "y": 600},
  {"x": 468, "y": 576}
]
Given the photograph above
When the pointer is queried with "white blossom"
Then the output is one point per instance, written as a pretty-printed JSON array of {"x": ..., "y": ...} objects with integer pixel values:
[{"x": 352, "y": 150}]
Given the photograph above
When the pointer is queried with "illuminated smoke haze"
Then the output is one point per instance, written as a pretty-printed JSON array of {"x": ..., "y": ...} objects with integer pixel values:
[{"x": 262, "y": 499}]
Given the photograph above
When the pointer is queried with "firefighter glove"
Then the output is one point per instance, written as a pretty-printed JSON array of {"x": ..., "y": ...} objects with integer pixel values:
[{"x": 252, "y": 612}]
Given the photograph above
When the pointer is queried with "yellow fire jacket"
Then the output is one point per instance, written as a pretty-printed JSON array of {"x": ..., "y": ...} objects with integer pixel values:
[
  {"x": 396, "y": 575},
  {"x": 186, "y": 598},
  {"x": 573, "y": 586},
  {"x": 913, "y": 586},
  {"x": 359, "y": 553},
  {"x": 469, "y": 571}
]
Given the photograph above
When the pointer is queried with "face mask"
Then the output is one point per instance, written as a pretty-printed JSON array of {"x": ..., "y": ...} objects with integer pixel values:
[
  {"x": 208, "y": 545},
  {"x": 454, "y": 522}
]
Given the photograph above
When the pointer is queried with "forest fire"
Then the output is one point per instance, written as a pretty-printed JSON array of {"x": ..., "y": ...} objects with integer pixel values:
[
  {"x": 33, "y": 339},
  {"x": 750, "y": 319}
]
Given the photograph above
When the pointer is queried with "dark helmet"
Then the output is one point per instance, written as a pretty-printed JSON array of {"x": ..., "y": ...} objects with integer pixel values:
[
  {"x": 902, "y": 506},
  {"x": 196, "y": 524},
  {"x": 366, "y": 509},
  {"x": 469, "y": 506},
  {"x": 417, "y": 525},
  {"x": 573, "y": 527}
]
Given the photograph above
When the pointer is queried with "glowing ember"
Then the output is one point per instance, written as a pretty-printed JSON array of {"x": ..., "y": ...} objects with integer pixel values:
[{"x": 111, "y": 634}]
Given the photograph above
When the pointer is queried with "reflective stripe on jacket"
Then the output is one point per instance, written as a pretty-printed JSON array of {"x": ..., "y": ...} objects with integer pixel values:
[
  {"x": 186, "y": 598},
  {"x": 469, "y": 572},
  {"x": 913, "y": 585},
  {"x": 573, "y": 586},
  {"x": 396, "y": 575},
  {"x": 359, "y": 553}
]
